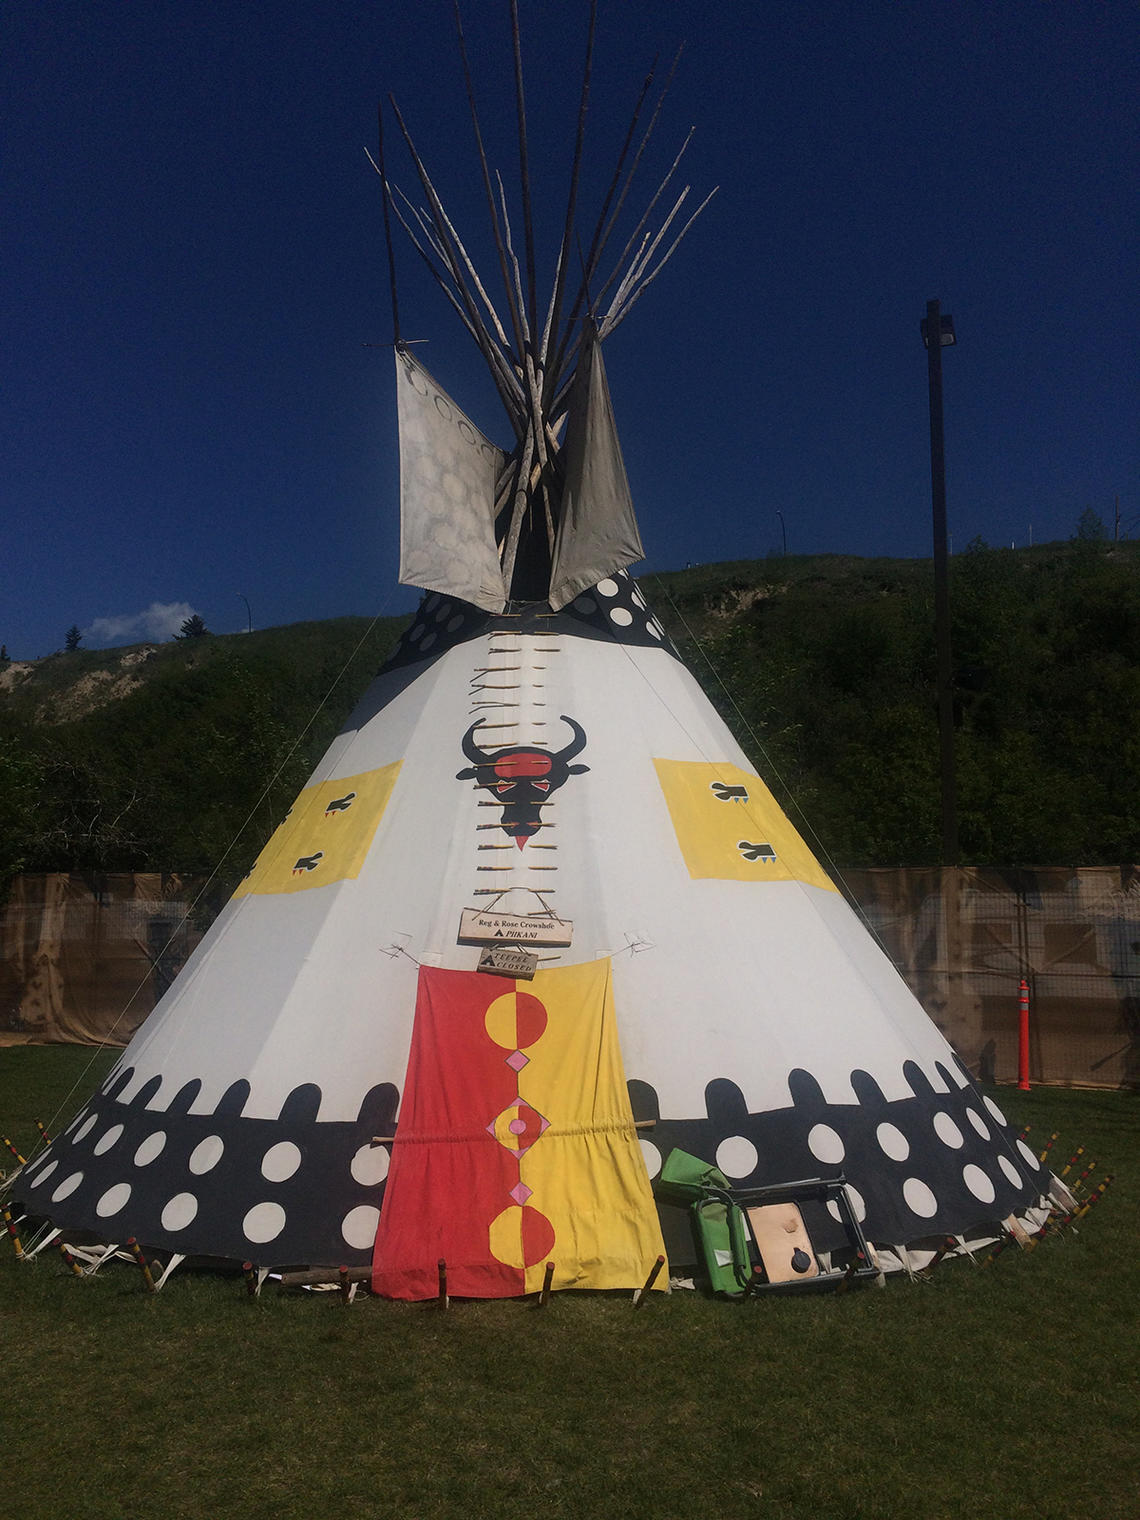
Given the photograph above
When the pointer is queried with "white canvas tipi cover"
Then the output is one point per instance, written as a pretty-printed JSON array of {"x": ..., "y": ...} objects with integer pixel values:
[{"x": 331, "y": 1080}]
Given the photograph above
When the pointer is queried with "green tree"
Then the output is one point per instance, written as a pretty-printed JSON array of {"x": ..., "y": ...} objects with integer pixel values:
[
  {"x": 192, "y": 628},
  {"x": 72, "y": 638},
  {"x": 1091, "y": 528}
]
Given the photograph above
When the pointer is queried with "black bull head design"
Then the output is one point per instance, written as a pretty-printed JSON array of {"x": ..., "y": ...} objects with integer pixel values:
[{"x": 522, "y": 777}]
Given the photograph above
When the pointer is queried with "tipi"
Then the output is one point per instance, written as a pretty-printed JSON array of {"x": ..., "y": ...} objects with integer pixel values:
[{"x": 535, "y": 780}]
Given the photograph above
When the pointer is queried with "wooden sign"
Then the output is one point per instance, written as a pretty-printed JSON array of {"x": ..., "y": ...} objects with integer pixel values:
[
  {"x": 505, "y": 960},
  {"x": 477, "y": 927}
]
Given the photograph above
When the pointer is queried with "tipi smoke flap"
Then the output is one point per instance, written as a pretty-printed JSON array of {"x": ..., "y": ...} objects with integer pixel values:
[{"x": 536, "y": 781}]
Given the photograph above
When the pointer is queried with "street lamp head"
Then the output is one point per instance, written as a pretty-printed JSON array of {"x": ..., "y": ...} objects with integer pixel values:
[{"x": 945, "y": 333}]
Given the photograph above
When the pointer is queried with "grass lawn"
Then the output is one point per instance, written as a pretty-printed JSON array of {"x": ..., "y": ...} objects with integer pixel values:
[{"x": 1010, "y": 1392}]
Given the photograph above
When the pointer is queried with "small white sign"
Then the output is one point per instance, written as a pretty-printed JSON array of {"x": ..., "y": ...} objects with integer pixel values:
[
  {"x": 505, "y": 960},
  {"x": 477, "y": 927}
]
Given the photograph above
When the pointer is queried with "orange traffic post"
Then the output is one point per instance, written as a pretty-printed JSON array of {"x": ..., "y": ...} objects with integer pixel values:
[
  {"x": 1023, "y": 1037},
  {"x": 442, "y": 1299},
  {"x": 654, "y": 1271},
  {"x": 141, "y": 1262}
]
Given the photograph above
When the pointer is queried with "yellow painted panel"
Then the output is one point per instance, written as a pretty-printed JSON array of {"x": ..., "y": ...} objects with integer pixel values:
[
  {"x": 325, "y": 835},
  {"x": 585, "y": 1171},
  {"x": 730, "y": 827}
]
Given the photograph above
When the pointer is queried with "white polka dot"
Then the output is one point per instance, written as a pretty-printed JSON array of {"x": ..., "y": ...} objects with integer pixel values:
[
  {"x": 607, "y": 588},
  {"x": 45, "y": 1174},
  {"x": 919, "y": 1199},
  {"x": 416, "y": 634},
  {"x": 443, "y": 612},
  {"x": 621, "y": 616},
  {"x": 280, "y": 1162},
  {"x": 428, "y": 642},
  {"x": 151, "y": 1148},
  {"x": 824, "y": 1144},
  {"x": 857, "y": 1203},
  {"x": 206, "y": 1154},
  {"x": 265, "y": 1221},
  {"x": 995, "y": 1111},
  {"x": 978, "y": 1183},
  {"x": 179, "y": 1212},
  {"x": 978, "y": 1122},
  {"x": 892, "y": 1142},
  {"x": 370, "y": 1165},
  {"x": 947, "y": 1131},
  {"x": 651, "y": 1156},
  {"x": 1027, "y": 1155},
  {"x": 359, "y": 1226},
  {"x": 636, "y": 596},
  {"x": 736, "y": 1156},
  {"x": 654, "y": 629},
  {"x": 88, "y": 1125},
  {"x": 107, "y": 1140},
  {"x": 114, "y": 1200},
  {"x": 454, "y": 623},
  {"x": 585, "y": 605},
  {"x": 432, "y": 601},
  {"x": 67, "y": 1187},
  {"x": 1011, "y": 1172}
]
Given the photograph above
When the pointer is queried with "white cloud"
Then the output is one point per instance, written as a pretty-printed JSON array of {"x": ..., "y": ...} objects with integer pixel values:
[{"x": 161, "y": 620}]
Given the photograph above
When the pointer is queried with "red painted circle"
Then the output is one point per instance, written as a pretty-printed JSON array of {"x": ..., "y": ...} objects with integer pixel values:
[
  {"x": 537, "y": 1237},
  {"x": 530, "y": 1019}
]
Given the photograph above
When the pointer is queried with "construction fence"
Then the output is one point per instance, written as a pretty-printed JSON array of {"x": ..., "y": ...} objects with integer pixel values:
[{"x": 84, "y": 958}]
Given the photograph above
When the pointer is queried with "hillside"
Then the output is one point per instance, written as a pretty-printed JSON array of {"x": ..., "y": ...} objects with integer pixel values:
[{"x": 185, "y": 755}]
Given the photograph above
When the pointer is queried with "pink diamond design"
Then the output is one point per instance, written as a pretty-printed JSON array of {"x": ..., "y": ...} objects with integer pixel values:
[
  {"x": 520, "y": 1193},
  {"x": 516, "y": 1060}
]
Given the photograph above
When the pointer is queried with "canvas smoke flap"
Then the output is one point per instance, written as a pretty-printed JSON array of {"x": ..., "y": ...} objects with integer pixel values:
[{"x": 536, "y": 784}]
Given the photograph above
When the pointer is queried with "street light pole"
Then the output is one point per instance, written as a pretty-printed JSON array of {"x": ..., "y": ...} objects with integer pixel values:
[
  {"x": 248, "y": 613},
  {"x": 783, "y": 533},
  {"x": 937, "y": 334}
]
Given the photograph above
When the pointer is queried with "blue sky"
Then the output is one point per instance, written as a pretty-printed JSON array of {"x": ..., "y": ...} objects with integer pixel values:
[{"x": 195, "y": 271}]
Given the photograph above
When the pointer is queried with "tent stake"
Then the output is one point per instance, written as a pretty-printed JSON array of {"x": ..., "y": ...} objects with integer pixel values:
[
  {"x": 4, "y": 1140},
  {"x": 442, "y": 1299},
  {"x": 639, "y": 1293},
  {"x": 44, "y": 1136},
  {"x": 140, "y": 1260},
  {"x": 1049, "y": 1144},
  {"x": 10, "y": 1225},
  {"x": 69, "y": 1259},
  {"x": 852, "y": 1267},
  {"x": 548, "y": 1278},
  {"x": 345, "y": 1285}
]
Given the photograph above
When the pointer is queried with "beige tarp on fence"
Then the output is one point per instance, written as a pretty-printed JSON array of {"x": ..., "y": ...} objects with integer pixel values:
[
  {"x": 964, "y": 938},
  {"x": 84, "y": 958}
]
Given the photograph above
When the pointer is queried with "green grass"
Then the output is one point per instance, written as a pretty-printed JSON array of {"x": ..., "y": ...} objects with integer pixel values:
[{"x": 1009, "y": 1392}]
